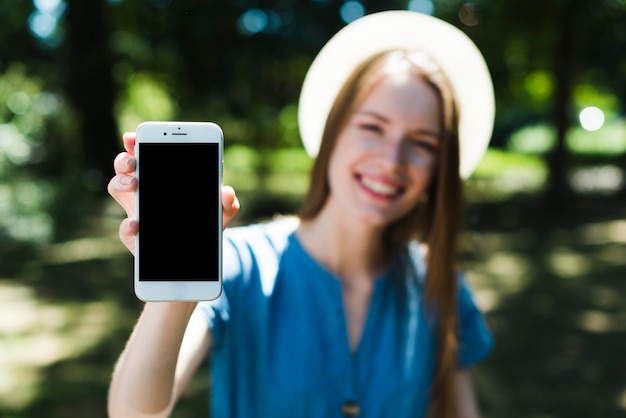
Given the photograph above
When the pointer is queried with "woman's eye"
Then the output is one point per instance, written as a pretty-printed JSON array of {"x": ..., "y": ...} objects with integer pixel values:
[
  {"x": 424, "y": 145},
  {"x": 371, "y": 128}
]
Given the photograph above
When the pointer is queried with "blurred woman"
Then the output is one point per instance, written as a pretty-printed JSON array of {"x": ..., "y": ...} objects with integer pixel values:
[{"x": 357, "y": 306}]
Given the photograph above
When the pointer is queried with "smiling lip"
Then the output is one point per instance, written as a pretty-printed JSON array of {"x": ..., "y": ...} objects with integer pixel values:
[{"x": 379, "y": 188}]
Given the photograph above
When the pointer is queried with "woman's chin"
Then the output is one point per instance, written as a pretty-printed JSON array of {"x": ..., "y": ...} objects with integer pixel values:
[{"x": 375, "y": 218}]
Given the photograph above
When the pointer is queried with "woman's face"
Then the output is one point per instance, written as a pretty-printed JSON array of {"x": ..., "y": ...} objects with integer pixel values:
[{"x": 385, "y": 156}]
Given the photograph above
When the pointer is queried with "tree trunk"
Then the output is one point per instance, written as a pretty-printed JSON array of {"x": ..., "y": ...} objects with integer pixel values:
[
  {"x": 90, "y": 85},
  {"x": 558, "y": 191}
]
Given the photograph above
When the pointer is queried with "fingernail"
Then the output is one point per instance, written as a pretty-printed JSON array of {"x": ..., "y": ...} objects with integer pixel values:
[{"x": 126, "y": 180}]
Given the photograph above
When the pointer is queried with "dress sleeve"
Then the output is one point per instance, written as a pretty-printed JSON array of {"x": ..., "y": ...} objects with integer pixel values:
[
  {"x": 217, "y": 312},
  {"x": 251, "y": 256},
  {"x": 475, "y": 339}
]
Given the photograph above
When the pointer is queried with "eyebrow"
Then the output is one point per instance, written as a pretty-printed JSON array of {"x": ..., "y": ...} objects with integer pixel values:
[{"x": 382, "y": 118}]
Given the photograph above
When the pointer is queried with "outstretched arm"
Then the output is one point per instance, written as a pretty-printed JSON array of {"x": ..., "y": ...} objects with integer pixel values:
[
  {"x": 466, "y": 399},
  {"x": 161, "y": 356},
  {"x": 168, "y": 342}
]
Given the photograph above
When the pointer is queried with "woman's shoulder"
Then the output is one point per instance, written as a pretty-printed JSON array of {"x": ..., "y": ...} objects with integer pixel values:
[
  {"x": 252, "y": 256},
  {"x": 275, "y": 230},
  {"x": 248, "y": 248}
]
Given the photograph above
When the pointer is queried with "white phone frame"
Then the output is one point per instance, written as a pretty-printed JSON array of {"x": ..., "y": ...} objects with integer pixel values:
[{"x": 192, "y": 132}]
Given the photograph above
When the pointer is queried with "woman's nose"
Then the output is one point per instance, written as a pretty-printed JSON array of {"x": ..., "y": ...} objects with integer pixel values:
[{"x": 393, "y": 151}]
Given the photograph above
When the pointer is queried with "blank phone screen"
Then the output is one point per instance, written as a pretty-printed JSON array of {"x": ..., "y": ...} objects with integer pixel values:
[{"x": 179, "y": 231}]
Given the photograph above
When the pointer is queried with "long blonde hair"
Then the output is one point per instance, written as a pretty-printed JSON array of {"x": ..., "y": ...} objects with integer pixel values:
[{"x": 436, "y": 221}]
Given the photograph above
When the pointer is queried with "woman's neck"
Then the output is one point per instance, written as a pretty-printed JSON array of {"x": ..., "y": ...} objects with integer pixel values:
[{"x": 352, "y": 250}]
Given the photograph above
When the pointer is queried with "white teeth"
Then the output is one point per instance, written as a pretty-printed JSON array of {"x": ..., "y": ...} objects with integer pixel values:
[{"x": 378, "y": 187}]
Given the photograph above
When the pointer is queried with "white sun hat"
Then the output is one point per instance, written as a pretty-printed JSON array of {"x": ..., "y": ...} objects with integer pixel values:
[{"x": 452, "y": 49}]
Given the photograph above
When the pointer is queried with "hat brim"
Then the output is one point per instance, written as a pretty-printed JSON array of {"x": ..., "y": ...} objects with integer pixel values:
[{"x": 454, "y": 51}]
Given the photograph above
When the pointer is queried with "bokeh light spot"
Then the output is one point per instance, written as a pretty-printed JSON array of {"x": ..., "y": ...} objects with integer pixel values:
[
  {"x": 591, "y": 118},
  {"x": 469, "y": 15},
  {"x": 539, "y": 85},
  {"x": 42, "y": 25},
  {"x": 351, "y": 11},
  {"x": 599, "y": 180},
  {"x": 47, "y": 103},
  {"x": 52, "y": 7},
  {"x": 288, "y": 117},
  {"x": 421, "y": 6},
  {"x": 18, "y": 102},
  {"x": 253, "y": 21}
]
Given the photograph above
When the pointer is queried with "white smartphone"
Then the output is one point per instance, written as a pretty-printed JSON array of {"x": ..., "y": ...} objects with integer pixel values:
[{"x": 178, "y": 250}]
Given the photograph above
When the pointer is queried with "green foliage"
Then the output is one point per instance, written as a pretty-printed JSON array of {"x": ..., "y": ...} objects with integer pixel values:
[
  {"x": 608, "y": 140},
  {"x": 240, "y": 167},
  {"x": 291, "y": 161},
  {"x": 241, "y": 159},
  {"x": 26, "y": 112},
  {"x": 498, "y": 162},
  {"x": 288, "y": 118},
  {"x": 586, "y": 94},
  {"x": 287, "y": 170},
  {"x": 539, "y": 86},
  {"x": 502, "y": 175},
  {"x": 535, "y": 139},
  {"x": 145, "y": 98}
]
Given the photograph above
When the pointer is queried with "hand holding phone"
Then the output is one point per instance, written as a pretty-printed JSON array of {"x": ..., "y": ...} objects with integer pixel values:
[
  {"x": 178, "y": 204},
  {"x": 123, "y": 185}
]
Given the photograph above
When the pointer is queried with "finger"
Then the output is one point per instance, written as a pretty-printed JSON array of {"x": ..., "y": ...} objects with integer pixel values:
[
  {"x": 124, "y": 163},
  {"x": 128, "y": 229},
  {"x": 122, "y": 183},
  {"x": 230, "y": 205},
  {"x": 129, "y": 142},
  {"x": 122, "y": 188}
]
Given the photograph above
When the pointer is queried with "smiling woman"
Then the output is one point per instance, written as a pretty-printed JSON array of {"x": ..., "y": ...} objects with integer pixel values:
[
  {"x": 390, "y": 144},
  {"x": 356, "y": 306}
]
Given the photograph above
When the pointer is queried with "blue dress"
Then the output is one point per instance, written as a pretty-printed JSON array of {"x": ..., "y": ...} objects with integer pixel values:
[{"x": 280, "y": 345}]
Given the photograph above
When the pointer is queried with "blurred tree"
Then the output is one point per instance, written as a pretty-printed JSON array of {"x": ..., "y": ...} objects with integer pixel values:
[
  {"x": 89, "y": 84},
  {"x": 565, "y": 62},
  {"x": 241, "y": 63},
  {"x": 539, "y": 52}
]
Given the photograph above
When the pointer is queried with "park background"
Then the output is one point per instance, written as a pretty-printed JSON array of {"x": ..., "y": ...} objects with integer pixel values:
[{"x": 545, "y": 247}]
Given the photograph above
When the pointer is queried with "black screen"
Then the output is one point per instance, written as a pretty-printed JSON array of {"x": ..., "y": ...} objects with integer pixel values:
[{"x": 179, "y": 206}]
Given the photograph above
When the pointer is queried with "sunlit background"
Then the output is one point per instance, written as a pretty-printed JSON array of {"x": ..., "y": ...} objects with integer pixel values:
[{"x": 545, "y": 246}]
